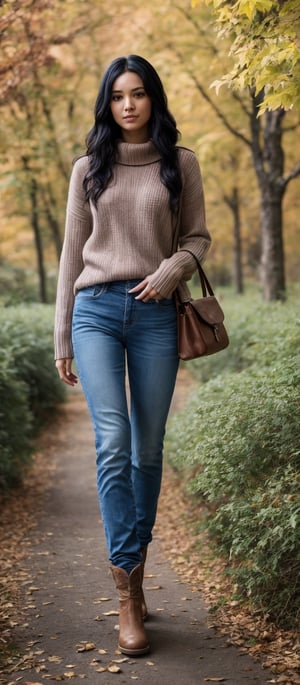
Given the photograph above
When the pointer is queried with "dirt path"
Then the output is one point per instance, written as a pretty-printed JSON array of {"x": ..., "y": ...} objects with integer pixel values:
[{"x": 69, "y": 605}]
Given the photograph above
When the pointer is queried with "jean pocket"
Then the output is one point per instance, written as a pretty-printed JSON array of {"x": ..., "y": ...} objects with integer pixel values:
[
  {"x": 93, "y": 291},
  {"x": 99, "y": 289},
  {"x": 166, "y": 302}
]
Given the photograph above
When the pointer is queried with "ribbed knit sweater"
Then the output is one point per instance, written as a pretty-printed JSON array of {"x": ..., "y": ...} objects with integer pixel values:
[{"x": 130, "y": 233}]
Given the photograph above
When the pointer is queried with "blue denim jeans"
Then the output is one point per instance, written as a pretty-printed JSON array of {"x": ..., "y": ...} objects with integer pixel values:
[{"x": 114, "y": 334}]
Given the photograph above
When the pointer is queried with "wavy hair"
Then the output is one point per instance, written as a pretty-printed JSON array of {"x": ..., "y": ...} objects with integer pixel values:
[{"x": 101, "y": 141}]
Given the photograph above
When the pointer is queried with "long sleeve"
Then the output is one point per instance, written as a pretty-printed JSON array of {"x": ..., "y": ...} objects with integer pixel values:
[
  {"x": 77, "y": 230},
  {"x": 193, "y": 234}
]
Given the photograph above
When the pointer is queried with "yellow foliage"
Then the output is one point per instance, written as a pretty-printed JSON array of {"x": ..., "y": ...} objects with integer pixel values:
[
  {"x": 265, "y": 48},
  {"x": 50, "y": 118}
]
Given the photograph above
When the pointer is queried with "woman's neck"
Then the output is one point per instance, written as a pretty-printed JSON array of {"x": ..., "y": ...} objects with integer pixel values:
[{"x": 135, "y": 137}]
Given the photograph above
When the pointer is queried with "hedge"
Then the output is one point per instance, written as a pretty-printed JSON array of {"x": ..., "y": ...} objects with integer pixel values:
[
  {"x": 29, "y": 385},
  {"x": 238, "y": 445}
]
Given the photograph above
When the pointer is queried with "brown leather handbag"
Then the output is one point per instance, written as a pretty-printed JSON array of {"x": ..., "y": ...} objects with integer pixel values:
[{"x": 201, "y": 330}]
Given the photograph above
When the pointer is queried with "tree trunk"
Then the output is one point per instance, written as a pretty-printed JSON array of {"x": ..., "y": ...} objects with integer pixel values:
[
  {"x": 34, "y": 219},
  {"x": 49, "y": 203},
  {"x": 38, "y": 242},
  {"x": 269, "y": 166},
  {"x": 272, "y": 254},
  {"x": 233, "y": 202}
]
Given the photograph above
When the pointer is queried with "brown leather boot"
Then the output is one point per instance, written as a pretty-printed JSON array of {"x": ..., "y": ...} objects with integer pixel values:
[
  {"x": 132, "y": 638},
  {"x": 143, "y": 601}
]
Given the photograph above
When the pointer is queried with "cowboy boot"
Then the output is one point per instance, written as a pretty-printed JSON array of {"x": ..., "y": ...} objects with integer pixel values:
[
  {"x": 132, "y": 637},
  {"x": 143, "y": 601}
]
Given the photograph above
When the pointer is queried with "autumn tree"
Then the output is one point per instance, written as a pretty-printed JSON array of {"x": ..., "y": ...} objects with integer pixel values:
[
  {"x": 38, "y": 115},
  {"x": 53, "y": 55},
  {"x": 265, "y": 48},
  {"x": 266, "y": 55}
]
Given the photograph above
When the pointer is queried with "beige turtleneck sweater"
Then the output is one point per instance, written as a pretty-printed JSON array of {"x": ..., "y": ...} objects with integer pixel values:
[{"x": 130, "y": 233}]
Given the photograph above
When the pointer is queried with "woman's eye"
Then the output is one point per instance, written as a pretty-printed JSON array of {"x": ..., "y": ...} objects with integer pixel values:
[
  {"x": 116, "y": 98},
  {"x": 140, "y": 94}
]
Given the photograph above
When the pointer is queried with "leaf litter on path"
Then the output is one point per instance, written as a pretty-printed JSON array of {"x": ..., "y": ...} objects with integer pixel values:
[{"x": 275, "y": 649}]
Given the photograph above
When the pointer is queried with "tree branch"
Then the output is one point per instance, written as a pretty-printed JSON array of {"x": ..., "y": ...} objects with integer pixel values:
[
  {"x": 241, "y": 102},
  {"x": 203, "y": 33},
  {"x": 293, "y": 174},
  {"x": 234, "y": 131}
]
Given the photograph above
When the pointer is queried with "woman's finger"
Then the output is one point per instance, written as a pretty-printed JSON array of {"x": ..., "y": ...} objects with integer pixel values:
[
  {"x": 139, "y": 286},
  {"x": 64, "y": 368},
  {"x": 147, "y": 293}
]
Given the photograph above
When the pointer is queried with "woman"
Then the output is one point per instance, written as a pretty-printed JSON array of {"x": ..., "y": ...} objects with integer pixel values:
[{"x": 129, "y": 196}]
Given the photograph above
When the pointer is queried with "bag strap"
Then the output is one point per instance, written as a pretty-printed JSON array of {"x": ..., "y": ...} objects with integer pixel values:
[{"x": 205, "y": 284}]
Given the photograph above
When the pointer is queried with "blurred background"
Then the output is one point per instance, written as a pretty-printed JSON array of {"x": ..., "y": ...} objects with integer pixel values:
[
  {"x": 53, "y": 56},
  {"x": 236, "y": 446}
]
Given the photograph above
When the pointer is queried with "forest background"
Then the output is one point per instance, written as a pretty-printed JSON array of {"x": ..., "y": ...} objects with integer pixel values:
[
  {"x": 54, "y": 55},
  {"x": 243, "y": 462}
]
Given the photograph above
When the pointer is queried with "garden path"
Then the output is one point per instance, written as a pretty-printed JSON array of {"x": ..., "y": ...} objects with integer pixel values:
[{"x": 69, "y": 632}]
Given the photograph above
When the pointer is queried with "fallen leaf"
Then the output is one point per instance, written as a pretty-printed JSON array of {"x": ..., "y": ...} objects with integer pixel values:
[
  {"x": 70, "y": 674},
  {"x": 95, "y": 662},
  {"x": 54, "y": 659},
  {"x": 111, "y": 613},
  {"x": 113, "y": 668},
  {"x": 154, "y": 587},
  {"x": 86, "y": 647}
]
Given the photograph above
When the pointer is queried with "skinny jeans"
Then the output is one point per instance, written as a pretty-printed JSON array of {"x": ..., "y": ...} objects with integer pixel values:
[{"x": 115, "y": 336}]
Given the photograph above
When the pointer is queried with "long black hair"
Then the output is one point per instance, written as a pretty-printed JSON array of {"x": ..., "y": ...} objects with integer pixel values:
[{"x": 102, "y": 139}]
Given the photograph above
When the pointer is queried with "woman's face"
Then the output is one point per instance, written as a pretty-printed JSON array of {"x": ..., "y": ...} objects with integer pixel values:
[{"x": 131, "y": 107}]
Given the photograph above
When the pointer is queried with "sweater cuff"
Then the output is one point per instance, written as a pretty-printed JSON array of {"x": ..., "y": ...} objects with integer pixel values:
[
  {"x": 171, "y": 271},
  {"x": 63, "y": 348}
]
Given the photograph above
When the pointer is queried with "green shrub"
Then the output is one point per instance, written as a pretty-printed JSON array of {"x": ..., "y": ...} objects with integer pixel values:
[
  {"x": 15, "y": 425},
  {"x": 261, "y": 535},
  {"x": 238, "y": 445},
  {"x": 29, "y": 384},
  {"x": 255, "y": 332}
]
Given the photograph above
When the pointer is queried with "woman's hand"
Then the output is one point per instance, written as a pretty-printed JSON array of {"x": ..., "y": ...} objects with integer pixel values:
[
  {"x": 147, "y": 293},
  {"x": 64, "y": 368}
]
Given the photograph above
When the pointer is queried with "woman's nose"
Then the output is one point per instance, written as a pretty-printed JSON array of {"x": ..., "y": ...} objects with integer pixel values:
[{"x": 128, "y": 104}]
